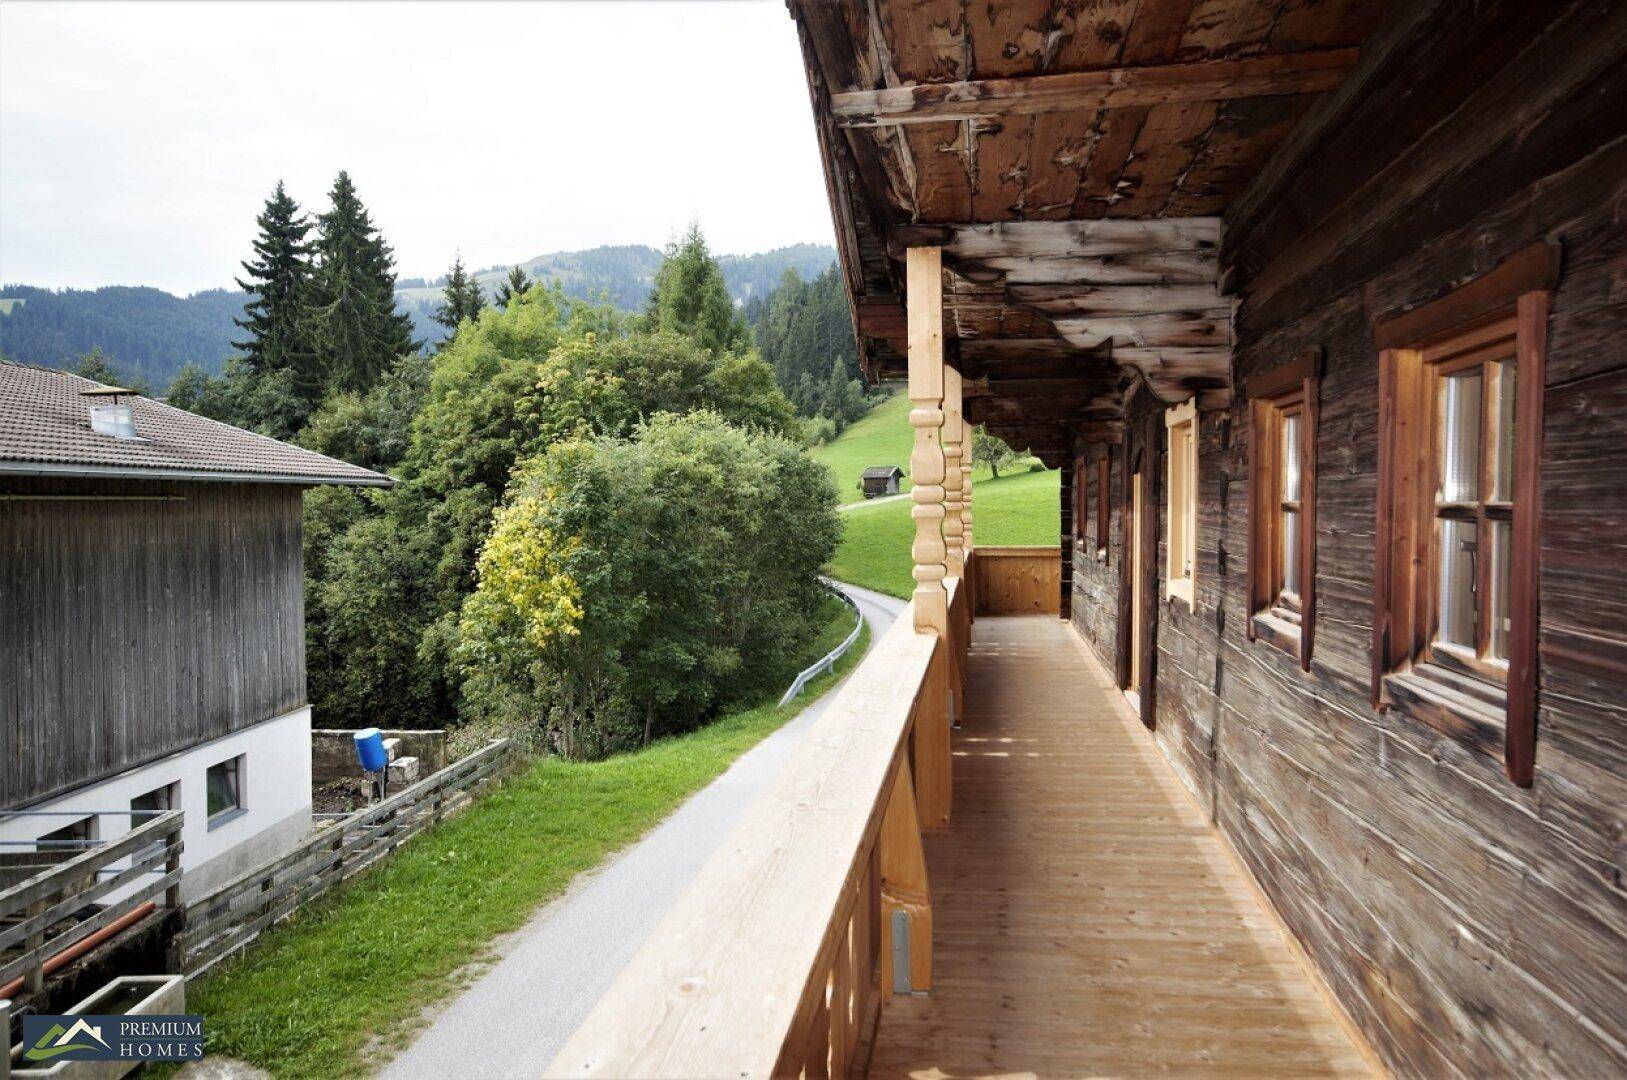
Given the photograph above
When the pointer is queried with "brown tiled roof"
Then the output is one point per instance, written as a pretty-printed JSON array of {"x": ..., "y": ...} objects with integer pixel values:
[{"x": 45, "y": 429}]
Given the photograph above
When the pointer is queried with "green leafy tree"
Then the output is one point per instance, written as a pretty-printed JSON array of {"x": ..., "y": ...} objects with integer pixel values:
[
  {"x": 96, "y": 367},
  {"x": 690, "y": 297},
  {"x": 461, "y": 297},
  {"x": 279, "y": 280},
  {"x": 514, "y": 285},
  {"x": 608, "y": 639},
  {"x": 357, "y": 330},
  {"x": 993, "y": 450},
  {"x": 374, "y": 429}
]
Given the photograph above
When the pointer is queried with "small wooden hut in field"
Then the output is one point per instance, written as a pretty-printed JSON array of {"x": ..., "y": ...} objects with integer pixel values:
[{"x": 881, "y": 480}]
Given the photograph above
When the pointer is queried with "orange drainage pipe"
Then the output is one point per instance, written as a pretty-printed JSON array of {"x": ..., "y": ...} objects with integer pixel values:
[{"x": 80, "y": 948}]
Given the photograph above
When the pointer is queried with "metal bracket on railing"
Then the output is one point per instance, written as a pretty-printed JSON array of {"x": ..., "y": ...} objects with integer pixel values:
[{"x": 901, "y": 954}]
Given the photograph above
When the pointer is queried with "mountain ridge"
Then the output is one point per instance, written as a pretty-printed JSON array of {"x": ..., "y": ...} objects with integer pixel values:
[{"x": 151, "y": 334}]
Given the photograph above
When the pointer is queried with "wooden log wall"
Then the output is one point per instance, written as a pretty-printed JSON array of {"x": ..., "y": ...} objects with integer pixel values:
[
  {"x": 1468, "y": 926},
  {"x": 139, "y": 619}
]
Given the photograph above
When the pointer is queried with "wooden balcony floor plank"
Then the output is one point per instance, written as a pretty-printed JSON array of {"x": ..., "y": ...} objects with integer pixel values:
[{"x": 1087, "y": 920}]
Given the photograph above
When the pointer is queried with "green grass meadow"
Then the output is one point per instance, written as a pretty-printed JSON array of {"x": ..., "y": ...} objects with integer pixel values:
[
  {"x": 316, "y": 996},
  {"x": 1016, "y": 509}
]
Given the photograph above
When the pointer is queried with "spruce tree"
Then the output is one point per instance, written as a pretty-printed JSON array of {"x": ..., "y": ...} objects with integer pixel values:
[
  {"x": 463, "y": 298},
  {"x": 690, "y": 298},
  {"x": 280, "y": 278},
  {"x": 358, "y": 332},
  {"x": 514, "y": 285}
]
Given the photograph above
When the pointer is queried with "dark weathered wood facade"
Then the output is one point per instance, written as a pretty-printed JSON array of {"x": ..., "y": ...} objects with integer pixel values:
[
  {"x": 1467, "y": 923},
  {"x": 140, "y": 618}
]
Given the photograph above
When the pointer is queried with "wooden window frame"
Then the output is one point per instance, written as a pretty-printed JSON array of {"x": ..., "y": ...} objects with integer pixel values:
[
  {"x": 1080, "y": 500},
  {"x": 1184, "y": 585},
  {"x": 1462, "y": 700},
  {"x": 1104, "y": 507},
  {"x": 1283, "y": 620}
]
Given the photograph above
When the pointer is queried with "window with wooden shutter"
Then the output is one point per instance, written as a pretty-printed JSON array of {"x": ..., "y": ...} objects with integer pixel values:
[
  {"x": 1282, "y": 505},
  {"x": 1455, "y": 584},
  {"x": 1181, "y": 549}
]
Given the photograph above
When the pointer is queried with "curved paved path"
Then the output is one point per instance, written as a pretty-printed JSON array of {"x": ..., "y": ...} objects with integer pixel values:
[{"x": 549, "y": 974}]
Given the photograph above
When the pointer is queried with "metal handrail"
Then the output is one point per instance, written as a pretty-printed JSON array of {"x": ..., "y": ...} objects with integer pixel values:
[{"x": 826, "y": 662}]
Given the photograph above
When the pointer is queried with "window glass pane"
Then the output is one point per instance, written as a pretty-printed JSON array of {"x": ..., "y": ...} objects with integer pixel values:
[
  {"x": 222, "y": 794},
  {"x": 1457, "y": 588},
  {"x": 1290, "y": 551},
  {"x": 1501, "y": 534},
  {"x": 1505, "y": 431},
  {"x": 1460, "y": 438},
  {"x": 1290, "y": 457},
  {"x": 1179, "y": 498}
]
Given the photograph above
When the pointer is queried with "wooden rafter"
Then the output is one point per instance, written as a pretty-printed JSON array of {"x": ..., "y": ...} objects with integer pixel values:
[{"x": 1112, "y": 88}]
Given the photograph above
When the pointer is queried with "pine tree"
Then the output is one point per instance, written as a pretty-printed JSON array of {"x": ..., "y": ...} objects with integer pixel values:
[
  {"x": 359, "y": 334},
  {"x": 464, "y": 299},
  {"x": 280, "y": 279},
  {"x": 514, "y": 285},
  {"x": 690, "y": 298}
]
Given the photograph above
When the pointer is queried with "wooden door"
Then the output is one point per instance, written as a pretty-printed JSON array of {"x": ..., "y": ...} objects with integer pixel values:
[{"x": 1137, "y": 574}]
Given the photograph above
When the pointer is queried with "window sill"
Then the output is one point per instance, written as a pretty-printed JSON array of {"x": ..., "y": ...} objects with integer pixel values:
[
  {"x": 1471, "y": 711},
  {"x": 1276, "y": 632},
  {"x": 226, "y": 817}
]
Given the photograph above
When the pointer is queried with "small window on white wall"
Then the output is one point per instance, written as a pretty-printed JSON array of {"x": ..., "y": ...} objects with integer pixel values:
[
  {"x": 223, "y": 791},
  {"x": 1180, "y": 572}
]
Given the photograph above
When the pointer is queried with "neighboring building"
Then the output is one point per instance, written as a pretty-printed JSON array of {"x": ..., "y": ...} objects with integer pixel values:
[
  {"x": 881, "y": 480},
  {"x": 152, "y": 621}
]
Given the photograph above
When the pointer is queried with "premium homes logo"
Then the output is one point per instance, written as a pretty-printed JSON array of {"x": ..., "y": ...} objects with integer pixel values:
[{"x": 112, "y": 1038}]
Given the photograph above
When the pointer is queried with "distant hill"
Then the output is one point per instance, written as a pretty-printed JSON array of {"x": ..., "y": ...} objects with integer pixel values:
[
  {"x": 148, "y": 333},
  {"x": 151, "y": 334}
]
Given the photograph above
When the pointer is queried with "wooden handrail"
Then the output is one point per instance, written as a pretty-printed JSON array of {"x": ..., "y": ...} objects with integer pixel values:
[
  {"x": 30, "y": 908},
  {"x": 775, "y": 960}
]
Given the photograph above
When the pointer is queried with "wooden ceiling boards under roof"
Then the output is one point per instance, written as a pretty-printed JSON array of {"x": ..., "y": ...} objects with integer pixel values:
[{"x": 1072, "y": 157}]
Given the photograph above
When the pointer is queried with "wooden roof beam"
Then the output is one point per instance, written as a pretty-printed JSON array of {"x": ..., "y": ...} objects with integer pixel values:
[
  {"x": 1071, "y": 239},
  {"x": 1111, "y": 88}
]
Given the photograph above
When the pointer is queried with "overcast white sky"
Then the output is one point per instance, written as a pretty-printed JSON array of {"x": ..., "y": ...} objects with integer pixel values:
[{"x": 138, "y": 140}]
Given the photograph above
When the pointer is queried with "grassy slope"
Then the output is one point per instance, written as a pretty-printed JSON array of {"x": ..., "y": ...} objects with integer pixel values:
[
  {"x": 883, "y": 436},
  {"x": 365, "y": 961},
  {"x": 875, "y": 551}
]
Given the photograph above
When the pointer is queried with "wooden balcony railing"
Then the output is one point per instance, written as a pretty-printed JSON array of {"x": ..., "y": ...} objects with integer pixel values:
[
  {"x": 1017, "y": 581},
  {"x": 140, "y": 870},
  {"x": 775, "y": 961}
]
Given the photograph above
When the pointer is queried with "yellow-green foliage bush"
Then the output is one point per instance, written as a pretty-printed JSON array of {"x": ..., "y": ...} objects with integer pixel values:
[{"x": 634, "y": 587}]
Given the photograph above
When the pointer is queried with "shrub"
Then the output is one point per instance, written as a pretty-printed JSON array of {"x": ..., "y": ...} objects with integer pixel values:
[{"x": 631, "y": 588}]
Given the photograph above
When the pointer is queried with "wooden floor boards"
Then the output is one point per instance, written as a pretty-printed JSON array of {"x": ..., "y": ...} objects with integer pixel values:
[{"x": 1087, "y": 921}]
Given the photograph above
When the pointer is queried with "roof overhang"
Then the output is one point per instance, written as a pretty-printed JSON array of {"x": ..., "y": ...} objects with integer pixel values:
[
  {"x": 105, "y": 472},
  {"x": 1073, "y": 164}
]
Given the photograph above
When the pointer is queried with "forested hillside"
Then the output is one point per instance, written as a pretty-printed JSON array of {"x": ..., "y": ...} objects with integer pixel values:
[{"x": 150, "y": 334}]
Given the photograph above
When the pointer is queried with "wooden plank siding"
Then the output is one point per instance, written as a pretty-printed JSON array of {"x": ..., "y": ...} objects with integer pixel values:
[
  {"x": 1468, "y": 925},
  {"x": 139, "y": 619}
]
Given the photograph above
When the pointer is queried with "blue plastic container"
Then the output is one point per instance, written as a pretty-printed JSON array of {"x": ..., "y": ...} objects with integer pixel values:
[{"x": 370, "y": 749}]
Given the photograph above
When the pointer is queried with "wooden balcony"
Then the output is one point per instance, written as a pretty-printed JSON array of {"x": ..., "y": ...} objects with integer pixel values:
[
  {"x": 1086, "y": 920},
  {"x": 1076, "y": 915}
]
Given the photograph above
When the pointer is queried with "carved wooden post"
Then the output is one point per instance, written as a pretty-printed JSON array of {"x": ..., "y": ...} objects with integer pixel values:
[
  {"x": 968, "y": 555},
  {"x": 954, "y": 439},
  {"x": 924, "y": 277}
]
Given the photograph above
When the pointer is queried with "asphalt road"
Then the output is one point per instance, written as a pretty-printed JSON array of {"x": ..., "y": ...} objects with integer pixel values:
[{"x": 515, "y": 1017}]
